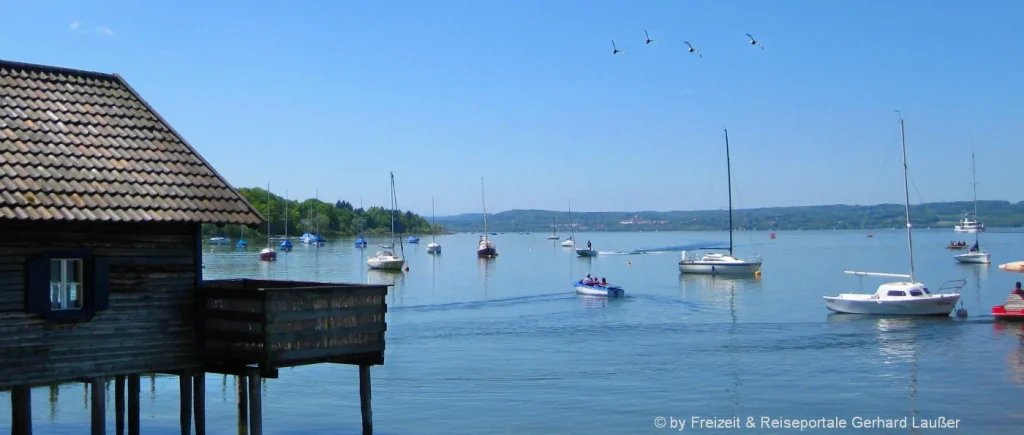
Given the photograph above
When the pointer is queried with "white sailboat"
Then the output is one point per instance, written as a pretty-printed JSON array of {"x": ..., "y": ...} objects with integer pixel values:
[
  {"x": 486, "y": 248},
  {"x": 554, "y": 230},
  {"x": 909, "y": 298},
  {"x": 975, "y": 255},
  {"x": 386, "y": 259},
  {"x": 268, "y": 253},
  {"x": 433, "y": 247},
  {"x": 571, "y": 241},
  {"x": 721, "y": 264}
]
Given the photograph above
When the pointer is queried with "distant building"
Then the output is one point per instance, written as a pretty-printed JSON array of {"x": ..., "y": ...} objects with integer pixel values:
[{"x": 637, "y": 220}]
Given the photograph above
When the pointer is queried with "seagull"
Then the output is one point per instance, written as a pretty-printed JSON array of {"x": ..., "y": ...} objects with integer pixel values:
[
  {"x": 649, "y": 40},
  {"x": 615, "y": 49},
  {"x": 754, "y": 41},
  {"x": 693, "y": 50}
]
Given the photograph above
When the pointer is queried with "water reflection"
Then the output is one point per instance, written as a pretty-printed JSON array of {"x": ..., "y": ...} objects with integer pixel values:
[
  {"x": 1016, "y": 358},
  {"x": 486, "y": 267},
  {"x": 897, "y": 339},
  {"x": 591, "y": 301},
  {"x": 393, "y": 278}
]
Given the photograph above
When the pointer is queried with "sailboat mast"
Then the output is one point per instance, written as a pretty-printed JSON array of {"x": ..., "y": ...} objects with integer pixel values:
[
  {"x": 484, "y": 203},
  {"x": 286, "y": 214},
  {"x": 392, "y": 208},
  {"x": 906, "y": 194},
  {"x": 728, "y": 172},
  {"x": 268, "y": 215},
  {"x": 572, "y": 232},
  {"x": 433, "y": 236}
]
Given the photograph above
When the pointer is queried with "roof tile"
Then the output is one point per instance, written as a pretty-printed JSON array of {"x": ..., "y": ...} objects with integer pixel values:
[{"x": 78, "y": 145}]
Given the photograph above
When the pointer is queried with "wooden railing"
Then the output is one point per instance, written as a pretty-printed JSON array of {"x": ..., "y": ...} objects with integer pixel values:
[{"x": 277, "y": 324}]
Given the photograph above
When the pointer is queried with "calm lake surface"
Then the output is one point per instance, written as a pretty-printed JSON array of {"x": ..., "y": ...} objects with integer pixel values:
[{"x": 505, "y": 347}]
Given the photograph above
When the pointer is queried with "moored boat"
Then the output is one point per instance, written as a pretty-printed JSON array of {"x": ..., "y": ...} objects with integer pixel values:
[
  {"x": 433, "y": 247},
  {"x": 385, "y": 260},
  {"x": 219, "y": 240},
  {"x": 586, "y": 252},
  {"x": 485, "y": 249},
  {"x": 268, "y": 254},
  {"x": 412, "y": 239},
  {"x": 598, "y": 290},
  {"x": 361, "y": 242}
]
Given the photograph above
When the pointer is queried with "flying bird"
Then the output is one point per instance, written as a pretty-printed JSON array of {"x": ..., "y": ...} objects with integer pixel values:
[
  {"x": 615, "y": 50},
  {"x": 693, "y": 50},
  {"x": 649, "y": 40},
  {"x": 754, "y": 41}
]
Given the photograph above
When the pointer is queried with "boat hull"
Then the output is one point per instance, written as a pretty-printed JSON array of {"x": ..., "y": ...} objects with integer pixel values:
[
  {"x": 586, "y": 252},
  {"x": 932, "y": 306},
  {"x": 710, "y": 268},
  {"x": 968, "y": 230},
  {"x": 973, "y": 258},
  {"x": 433, "y": 248},
  {"x": 380, "y": 264},
  {"x": 552, "y": 237},
  {"x": 568, "y": 243},
  {"x": 486, "y": 252},
  {"x": 268, "y": 256},
  {"x": 590, "y": 290}
]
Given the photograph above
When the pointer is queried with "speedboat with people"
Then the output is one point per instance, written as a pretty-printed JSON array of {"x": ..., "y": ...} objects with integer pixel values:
[
  {"x": 588, "y": 252},
  {"x": 593, "y": 287}
]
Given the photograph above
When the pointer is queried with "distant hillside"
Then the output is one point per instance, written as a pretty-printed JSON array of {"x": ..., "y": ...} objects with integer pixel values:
[{"x": 935, "y": 215}]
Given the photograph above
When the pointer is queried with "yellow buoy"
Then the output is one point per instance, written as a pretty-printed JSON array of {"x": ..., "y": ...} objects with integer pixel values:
[{"x": 757, "y": 274}]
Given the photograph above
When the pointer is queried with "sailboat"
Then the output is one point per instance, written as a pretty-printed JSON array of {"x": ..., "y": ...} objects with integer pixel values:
[
  {"x": 554, "y": 230},
  {"x": 241, "y": 245},
  {"x": 909, "y": 298},
  {"x": 485, "y": 249},
  {"x": 361, "y": 241},
  {"x": 571, "y": 241},
  {"x": 433, "y": 247},
  {"x": 286, "y": 245},
  {"x": 721, "y": 264},
  {"x": 268, "y": 254},
  {"x": 386, "y": 259},
  {"x": 974, "y": 255}
]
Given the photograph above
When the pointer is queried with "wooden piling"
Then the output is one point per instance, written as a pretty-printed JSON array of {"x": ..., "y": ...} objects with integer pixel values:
[
  {"x": 364, "y": 399},
  {"x": 242, "y": 387},
  {"x": 21, "y": 410},
  {"x": 255, "y": 402},
  {"x": 98, "y": 406},
  {"x": 185, "y": 393},
  {"x": 199, "y": 400},
  {"x": 134, "y": 391},
  {"x": 119, "y": 405}
]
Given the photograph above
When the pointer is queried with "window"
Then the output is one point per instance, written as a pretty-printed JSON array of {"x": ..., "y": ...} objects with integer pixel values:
[
  {"x": 897, "y": 293},
  {"x": 66, "y": 283},
  {"x": 926, "y": 291},
  {"x": 916, "y": 293}
]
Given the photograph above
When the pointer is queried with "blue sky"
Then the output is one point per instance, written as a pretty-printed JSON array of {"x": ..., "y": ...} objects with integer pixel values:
[{"x": 334, "y": 94}]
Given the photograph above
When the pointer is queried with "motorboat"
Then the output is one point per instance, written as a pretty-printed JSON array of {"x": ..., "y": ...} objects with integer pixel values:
[
  {"x": 721, "y": 264},
  {"x": 968, "y": 225},
  {"x": 219, "y": 240},
  {"x": 901, "y": 298},
  {"x": 895, "y": 298},
  {"x": 268, "y": 254},
  {"x": 718, "y": 264},
  {"x": 598, "y": 290},
  {"x": 385, "y": 260},
  {"x": 412, "y": 239},
  {"x": 586, "y": 252},
  {"x": 956, "y": 246}
]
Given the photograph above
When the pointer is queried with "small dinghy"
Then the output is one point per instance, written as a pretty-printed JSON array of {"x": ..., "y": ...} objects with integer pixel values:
[{"x": 610, "y": 291}]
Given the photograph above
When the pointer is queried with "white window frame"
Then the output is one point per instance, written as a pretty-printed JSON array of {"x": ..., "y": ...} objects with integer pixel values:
[{"x": 65, "y": 287}]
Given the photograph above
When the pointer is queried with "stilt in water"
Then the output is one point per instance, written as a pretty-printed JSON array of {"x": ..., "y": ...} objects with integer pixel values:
[
  {"x": 364, "y": 399},
  {"x": 185, "y": 391},
  {"x": 119, "y": 405},
  {"x": 255, "y": 402},
  {"x": 199, "y": 400},
  {"x": 98, "y": 405},
  {"x": 21, "y": 410},
  {"x": 134, "y": 391},
  {"x": 242, "y": 387}
]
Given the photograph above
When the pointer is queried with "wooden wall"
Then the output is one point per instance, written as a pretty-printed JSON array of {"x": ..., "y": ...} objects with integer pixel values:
[{"x": 149, "y": 325}]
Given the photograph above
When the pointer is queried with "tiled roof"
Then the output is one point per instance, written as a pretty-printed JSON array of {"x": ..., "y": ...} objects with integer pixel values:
[{"x": 79, "y": 145}]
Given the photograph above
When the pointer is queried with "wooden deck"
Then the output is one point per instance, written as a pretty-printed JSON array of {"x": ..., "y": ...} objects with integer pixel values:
[{"x": 276, "y": 324}]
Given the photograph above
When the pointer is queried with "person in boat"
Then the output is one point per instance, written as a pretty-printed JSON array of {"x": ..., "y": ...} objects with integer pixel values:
[
  {"x": 588, "y": 280},
  {"x": 588, "y": 245},
  {"x": 1017, "y": 290},
  {"x": 604, "y": 282}
]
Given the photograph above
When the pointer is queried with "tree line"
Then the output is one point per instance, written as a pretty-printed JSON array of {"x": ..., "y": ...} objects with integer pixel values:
[{"x": 315, "y": 216}]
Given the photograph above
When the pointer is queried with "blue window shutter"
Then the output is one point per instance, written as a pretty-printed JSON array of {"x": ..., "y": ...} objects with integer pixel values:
[
  {"x": 100, "y": 289},
  {"x": 37, "y": 285}
]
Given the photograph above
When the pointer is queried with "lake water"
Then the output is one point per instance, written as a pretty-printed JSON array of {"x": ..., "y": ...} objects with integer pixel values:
[{"x": 505, "y": 346}]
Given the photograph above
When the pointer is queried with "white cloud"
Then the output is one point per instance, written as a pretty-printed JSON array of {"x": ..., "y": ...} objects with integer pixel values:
[
  {"x": 74, "y": 25},
  {"x": 104, "y": 30}
]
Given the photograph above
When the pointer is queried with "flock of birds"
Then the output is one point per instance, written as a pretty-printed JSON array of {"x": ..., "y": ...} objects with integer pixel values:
[{"x": 615, "y": 50}]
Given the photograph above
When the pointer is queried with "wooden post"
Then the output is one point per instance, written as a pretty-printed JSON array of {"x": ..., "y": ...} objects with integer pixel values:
[
  {"x": 242, "y": 386},
  {"x": 255, "y": 402},
  {"x": 199, "y": 400},
  {"x": 21, "y": 410},
  {"x": 134, "y": 391},
  {"x": 185, "y": 392},
  {"x": 364, "y": 399},
  {"x": 119, "y": 405},
  {"x": 98, "y": 406}
]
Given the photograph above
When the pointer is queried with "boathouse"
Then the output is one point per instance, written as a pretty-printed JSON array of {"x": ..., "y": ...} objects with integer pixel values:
[{"x": 101, "y": 271}]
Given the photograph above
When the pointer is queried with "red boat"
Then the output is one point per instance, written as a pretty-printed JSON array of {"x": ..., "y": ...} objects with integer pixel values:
[
  {"x": 1013, "y": 308},
  {"x": 268, "y": 254},
  {"x": 1000, "y": 312}
]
